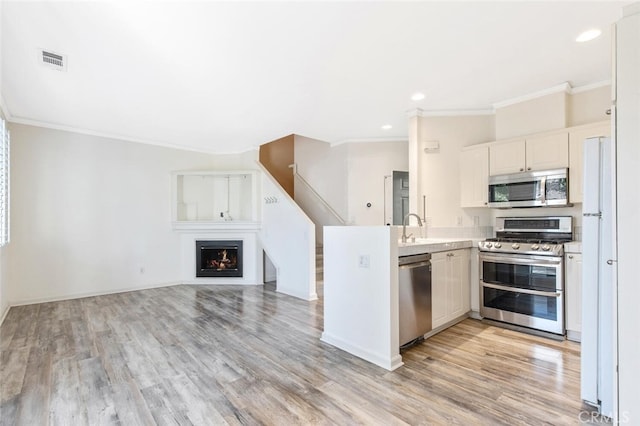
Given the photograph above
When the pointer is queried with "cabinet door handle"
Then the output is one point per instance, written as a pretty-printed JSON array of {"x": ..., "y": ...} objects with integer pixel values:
[
  {"x": 528, "y": 168},
  {"x": 521, "y": 169},
  {"x": 570, "y": 257}
]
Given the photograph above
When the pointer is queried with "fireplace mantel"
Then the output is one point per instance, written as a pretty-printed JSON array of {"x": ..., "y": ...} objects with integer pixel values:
[{"x": 216, "y": 226}]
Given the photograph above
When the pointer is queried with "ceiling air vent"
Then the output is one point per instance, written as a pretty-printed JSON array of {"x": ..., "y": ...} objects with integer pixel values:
[{"x": 54, "y": 60}]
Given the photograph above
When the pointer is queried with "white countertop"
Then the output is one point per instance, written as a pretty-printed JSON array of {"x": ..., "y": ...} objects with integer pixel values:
[{"x": 432, "y": 245}]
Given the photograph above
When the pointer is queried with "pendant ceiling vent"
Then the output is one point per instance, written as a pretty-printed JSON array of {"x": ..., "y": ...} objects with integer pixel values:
[{"x": 53, "y": 60}]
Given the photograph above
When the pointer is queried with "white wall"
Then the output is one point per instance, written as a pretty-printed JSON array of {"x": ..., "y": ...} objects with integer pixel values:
[
  {"x": 589, "y": 106},
  {"x": 367, "y": 165},
  {"x": 361, "y": 303},
  {"x": 92, "y": 215},
  {"x": 628, "y": 156},
  {"x": 288, "y": 238},
  {"x": 532, "y": 116},
  {"x": 439, "y": 172},
  {"x": 4, "y": 282},
  {"x": 348, "y": 176},
  {"x": 325, "y": 169}
]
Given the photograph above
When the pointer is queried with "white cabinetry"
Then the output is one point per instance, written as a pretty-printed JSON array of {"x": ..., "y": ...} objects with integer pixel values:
[
  {"x": 203, "y": 199},
  {"x": 450, "y": 292},
  {"x": 573, "y": 295},
  {"x": 544, "y": 152},
  {"x": 576, "y": 141},
  {"x": 507, "y": 157},
  {"x": 474, "y": 176}
]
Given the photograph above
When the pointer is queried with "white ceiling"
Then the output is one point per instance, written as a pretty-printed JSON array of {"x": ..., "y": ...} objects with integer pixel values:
[{"x": 229, "y": 76}]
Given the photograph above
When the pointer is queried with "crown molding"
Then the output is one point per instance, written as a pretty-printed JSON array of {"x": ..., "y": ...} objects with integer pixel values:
[
  {"x": 114, "y": 136},
  {"x": 564, "y": 87},
  {"x": 591, "y": 86},
  {"x": 398, "y": 139},
  {"x": 457, "y": 112}
]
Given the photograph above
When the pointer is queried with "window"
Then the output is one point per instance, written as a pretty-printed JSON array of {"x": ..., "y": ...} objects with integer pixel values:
[{"x": 4, "y": 184}]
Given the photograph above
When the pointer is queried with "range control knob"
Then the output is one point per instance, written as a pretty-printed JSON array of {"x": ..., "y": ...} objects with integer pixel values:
[
  {"x": 497, "y": 245},
  {"x": 546, "y": 247},
  {"x": 488, "y": 245},
  {"x": 534, "y": 247},
  {"x": 515, "y": 246}
]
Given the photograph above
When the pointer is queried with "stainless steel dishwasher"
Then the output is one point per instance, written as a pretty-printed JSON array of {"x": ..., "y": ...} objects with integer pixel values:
[{"x": 414, "y": 288}]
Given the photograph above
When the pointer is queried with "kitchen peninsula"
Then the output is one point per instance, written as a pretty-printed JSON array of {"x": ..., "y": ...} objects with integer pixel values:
[{"x": 361, "y": 303}]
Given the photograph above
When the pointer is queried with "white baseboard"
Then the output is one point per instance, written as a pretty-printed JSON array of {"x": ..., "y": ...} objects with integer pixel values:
[
  {"x": 475, "y": 315},
  {"x": 308, "y": 297},
  {"x": 88, "y": 294},
  {"x": 377, "y": 359},
  {"x": 3, "y": 314}
]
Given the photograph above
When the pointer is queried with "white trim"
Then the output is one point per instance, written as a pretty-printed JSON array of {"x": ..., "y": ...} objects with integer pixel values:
[
  {"x": 415, "y": 112},
  {"x": 218, "y": 227},
  {"x": 124, "y": 138},
  {"x": 457, "y": 113},
  {"x": 399, "y": 139},
  {"x": 5, "y": 313},
  {"x": 4, "y": 108},
  {"x": 591, "y": 86},
  {"x": 388, "y": 363},
  {"x": 89, "y": 294},
  {"x": 563, "y": 87}
]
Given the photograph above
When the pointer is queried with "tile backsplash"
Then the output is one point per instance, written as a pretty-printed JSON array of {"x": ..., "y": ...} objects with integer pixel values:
[{"x": 461, "y": 232}]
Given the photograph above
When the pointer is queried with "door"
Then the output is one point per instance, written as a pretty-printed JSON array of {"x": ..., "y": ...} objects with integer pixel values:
[{"x": 400, "y": 196}]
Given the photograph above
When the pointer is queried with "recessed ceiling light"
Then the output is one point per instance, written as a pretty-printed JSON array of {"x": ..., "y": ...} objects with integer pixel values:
[
  {"x": 588, "y": 35},
  {"x": 387, "y": 127},
  {"x": 417, "y": 96}
]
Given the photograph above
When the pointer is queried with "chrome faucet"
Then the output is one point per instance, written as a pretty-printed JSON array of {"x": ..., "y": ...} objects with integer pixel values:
[{"x": 404, "y": 226}]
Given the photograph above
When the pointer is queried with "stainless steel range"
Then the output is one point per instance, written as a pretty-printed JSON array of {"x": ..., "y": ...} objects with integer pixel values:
[{"x": 522, "y": 272}]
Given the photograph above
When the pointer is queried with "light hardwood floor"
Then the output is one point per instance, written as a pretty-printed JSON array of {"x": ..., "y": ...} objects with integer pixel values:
[{"x": 247, "y": 355}]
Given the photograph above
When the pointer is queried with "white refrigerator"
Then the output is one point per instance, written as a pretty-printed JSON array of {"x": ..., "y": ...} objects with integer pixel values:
[{"x": 598, "y": 385}]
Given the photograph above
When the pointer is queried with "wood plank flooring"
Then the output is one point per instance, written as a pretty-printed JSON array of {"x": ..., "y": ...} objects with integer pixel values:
[{"x": 210, "y": 355}]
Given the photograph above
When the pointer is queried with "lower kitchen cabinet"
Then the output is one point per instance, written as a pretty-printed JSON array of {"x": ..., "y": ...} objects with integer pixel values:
[
  {"x": 573, "y": 295},
  {"x": 450, "y": 286}
]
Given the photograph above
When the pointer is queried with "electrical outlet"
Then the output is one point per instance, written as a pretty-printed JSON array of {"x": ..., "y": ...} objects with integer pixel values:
[
  {"x": 459, "y": 221},
  {"x": 363, "y": 261}
]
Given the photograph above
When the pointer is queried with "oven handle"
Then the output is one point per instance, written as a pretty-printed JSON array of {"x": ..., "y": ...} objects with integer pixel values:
[
  {"x": 523, "y": 290},
  {"x": 520, "y": 260}
]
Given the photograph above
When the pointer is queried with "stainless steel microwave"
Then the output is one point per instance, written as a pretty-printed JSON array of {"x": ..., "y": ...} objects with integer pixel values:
[{"x": 548, "y": 188}]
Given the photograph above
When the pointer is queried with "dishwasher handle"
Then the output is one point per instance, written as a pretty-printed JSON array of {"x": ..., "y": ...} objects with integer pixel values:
[
  {"x": 413, "y": 259},
  {"x": 415, "y": 265}
]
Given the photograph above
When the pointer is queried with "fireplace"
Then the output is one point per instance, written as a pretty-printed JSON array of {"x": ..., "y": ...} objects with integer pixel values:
[{"x": 218, "y": 258}]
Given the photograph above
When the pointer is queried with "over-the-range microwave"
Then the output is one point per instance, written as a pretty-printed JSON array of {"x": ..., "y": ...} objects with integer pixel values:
[{"x": 548, "y": 188}]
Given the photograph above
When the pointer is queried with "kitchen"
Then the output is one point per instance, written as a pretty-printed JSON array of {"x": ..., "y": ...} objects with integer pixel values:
[{"x": 352, "y": 254}]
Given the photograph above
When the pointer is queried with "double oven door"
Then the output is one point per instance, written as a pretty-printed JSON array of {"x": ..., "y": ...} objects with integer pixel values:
[{"x": 525, "y": 290}]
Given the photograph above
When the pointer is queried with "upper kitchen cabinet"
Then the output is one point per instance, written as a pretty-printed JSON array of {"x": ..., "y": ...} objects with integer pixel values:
[
  {"x": 507, "y": 157},
  {"x": 474, "y": 176},
  {"x": 577, "y": 136},
  {"x": 550, "y": 151}
]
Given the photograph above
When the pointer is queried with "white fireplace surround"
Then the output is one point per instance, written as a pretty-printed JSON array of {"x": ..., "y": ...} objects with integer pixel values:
[{"x": 252, "y": 256}]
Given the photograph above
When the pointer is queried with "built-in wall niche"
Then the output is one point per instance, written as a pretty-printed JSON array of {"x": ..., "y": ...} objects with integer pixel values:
[{"x": 214, "y": 198}]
